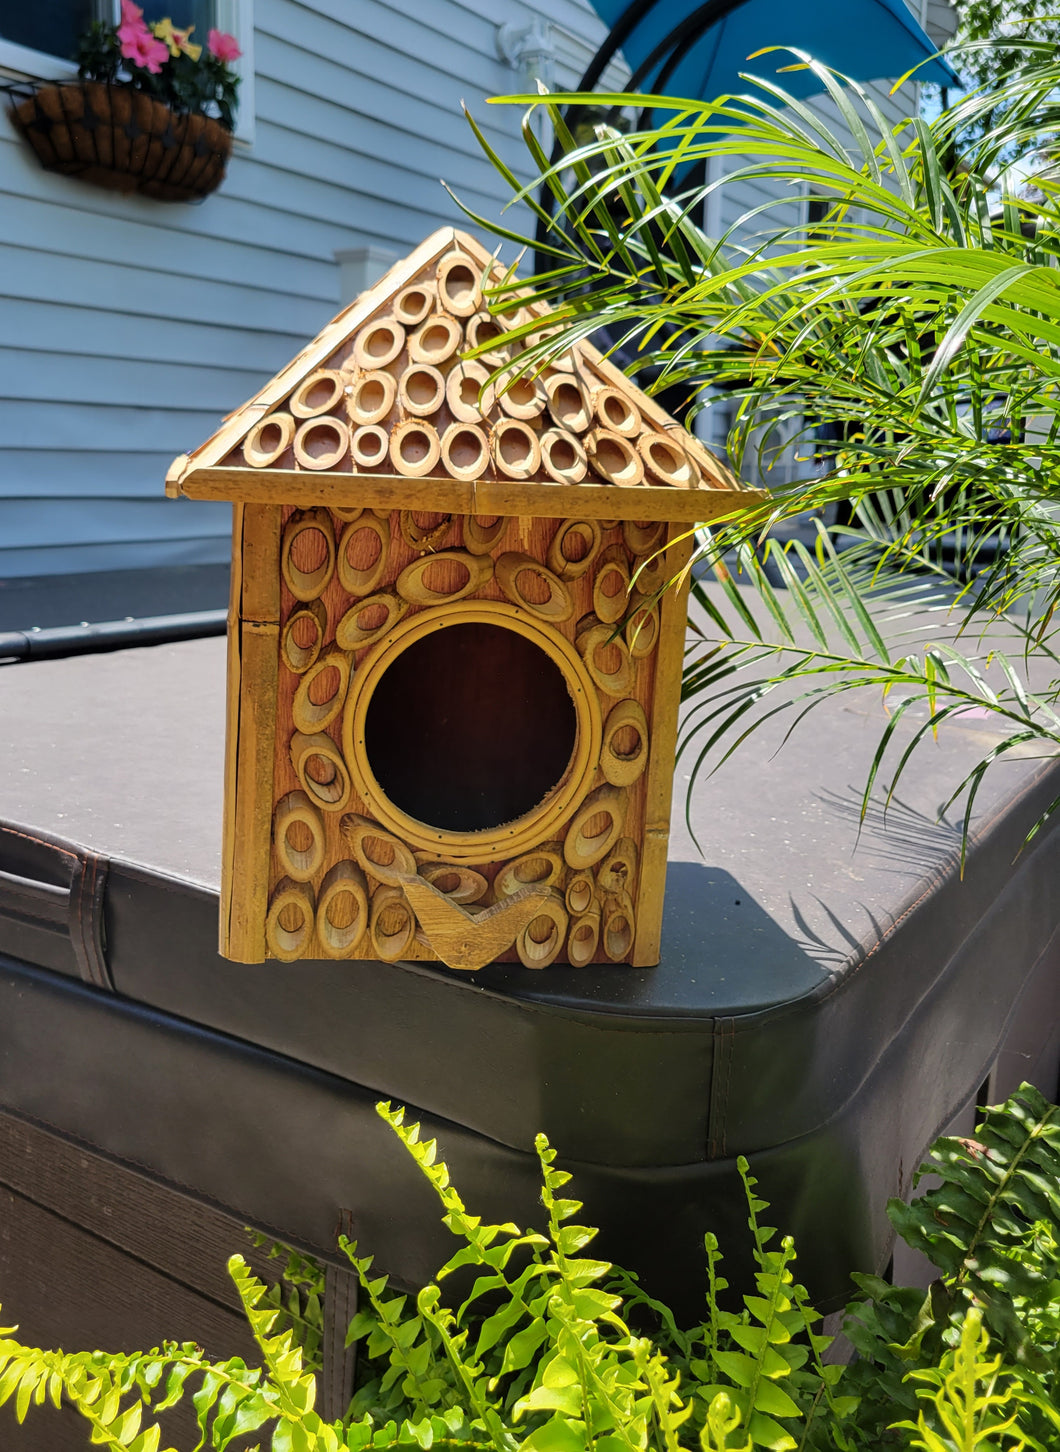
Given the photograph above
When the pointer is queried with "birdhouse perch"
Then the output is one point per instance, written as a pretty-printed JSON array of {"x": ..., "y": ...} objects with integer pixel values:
[{"x": 452, "y": 690}]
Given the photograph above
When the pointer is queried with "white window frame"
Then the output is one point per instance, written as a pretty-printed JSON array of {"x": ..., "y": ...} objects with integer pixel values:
[{"x": 20, "y": 62}]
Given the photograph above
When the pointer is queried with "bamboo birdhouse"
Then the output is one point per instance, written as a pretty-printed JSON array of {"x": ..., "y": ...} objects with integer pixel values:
[{"x": 452, "y": 689}]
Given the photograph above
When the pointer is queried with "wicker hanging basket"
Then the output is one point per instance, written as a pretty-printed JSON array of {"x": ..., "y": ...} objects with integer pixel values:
[{"x": 122, "y": 139}]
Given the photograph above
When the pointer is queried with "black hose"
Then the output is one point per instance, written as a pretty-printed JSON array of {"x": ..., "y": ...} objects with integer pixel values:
[{"x": 20, "y": 645}]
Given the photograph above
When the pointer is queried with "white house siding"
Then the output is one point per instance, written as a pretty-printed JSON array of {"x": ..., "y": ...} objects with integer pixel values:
[{"x": 128, "y": 327}]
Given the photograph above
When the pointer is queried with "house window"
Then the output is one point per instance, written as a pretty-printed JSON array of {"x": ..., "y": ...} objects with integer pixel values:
[{"x": 49, "y": 26}]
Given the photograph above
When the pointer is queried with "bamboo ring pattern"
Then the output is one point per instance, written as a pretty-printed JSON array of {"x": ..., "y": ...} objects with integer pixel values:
[
  {"x": 582, "y": 849},
  {"x": 318, "y": 393},
  {"x": 480, "y": 538},
  {"x": 580, "y": 894},
  {"x": 641, "y": 629},
  {"x": 459, "y": 884},
  {"x": 563, "y": 457},
  {"x": 573, "y": 548},
  {"x": 303, "y": 636},
  {"x": 289, "y": 923},
  {"x": 436, "y": 339},
  {"x": 378, "y": 344},
  {"x": 362, "y": 579},
  {"x": 541, "y": 868},
  {"x": 618, "y": 928},
  {"x": 268, "y": 439},
  {"x": 523, "y": 397},
  {"x": 391, "y": 924},
  {"x": 342, "y": 893},
  {"x": 414, "y": 448},
  {"x": 618, "y": 871},
  {"x": 345, "y": 513},
  {"x": 465, "y": 452},
  {"x": 459, "y": 285},
  {"x": 643, "y": 536},
  {"x": 369, "y": 446},
  {"x": 594, "y": 639},
  {"x": 414, "y": 302},
  {"x": 480, "y": 331},
  {"x": 370, "y": 397},
  {"x": 412, "y": 584},
  {"x": 557, "y": 604},
  {"x": 321, "y": 443},
  {"x": 616, "y": 413},
  {"x": 297, "y": 820},
  {"x": 352, "y": 633},
  {"x": 309, "y": 715},
  {"x": 307, "y": 583},
  {"x": 583, "y": 939},
  {"x": 516, "y": 451},
  {"x": 651, "y": 574},
  {"x": 668, "y": 460},
  {"x": 319, "y": 766},
  {"x": 421, "y": 389},
  {"x": 566, "y": 404},
  {"x": 422, "y": 536},
  {"x": 624, "y": 754},
  {"x": 378, "y": 852},
  {"x": 463, "y": 386},
  {"x": 614, "y": 457},
  {"x": 539, "y": 943},
  {"x": 611, "y": 585}
]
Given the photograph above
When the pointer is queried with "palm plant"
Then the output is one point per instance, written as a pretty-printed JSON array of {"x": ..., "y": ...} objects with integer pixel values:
[{"x": 918, "y": 327}]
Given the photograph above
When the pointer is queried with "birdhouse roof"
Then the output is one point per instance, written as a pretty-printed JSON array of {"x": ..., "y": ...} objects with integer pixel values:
[{"x": 379, "y": 410}]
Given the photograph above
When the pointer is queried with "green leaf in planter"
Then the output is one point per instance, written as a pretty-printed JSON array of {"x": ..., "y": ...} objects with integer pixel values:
[{"x": 557, "y": 1435}]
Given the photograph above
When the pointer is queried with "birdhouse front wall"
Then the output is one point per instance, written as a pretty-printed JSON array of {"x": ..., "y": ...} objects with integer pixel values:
[{"x": 469, "y": 702}]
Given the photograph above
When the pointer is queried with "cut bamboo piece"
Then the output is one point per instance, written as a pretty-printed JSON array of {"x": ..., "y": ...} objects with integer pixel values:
[
  {"x": 583, "y": 939},
  {"x": 615, "y": 413},
  {"x": 666, "y": 458},
  {"x": 580, "y": 894},
  {"x": 414, "y": 448},
  {"x": 378, "y": 852},
  {"x": 522, "y": 398},
  {"x": 619, "y": 928},
  {"x": 318, "y": 393},
  {"x": 566, "y": 403},
  {"x": 651, "y": 574},
  {"x": 289, "y": 925},
  {"x": 369, "y": 447},
  {"x": 482, "y": 330},
  {"x": 564, "y": 362},
  {"x": 342, "y": 911},
  {"x": 319, "y": 766},
  {"x": 303, "y": 636},
  {"x": 414, "y": 302},
  {"x": 347, "y": 515},
  {"x": 643, "y": 536},
  {"x": 458, "y": 883},
  {"x": 309, "y": 531},
  {"x": 321, "y": 443},
  {"x": 611, "y": 585},
  {"x": 354, "y": 630},
  {"x": 465, "y": 452},
  {"x": 543, "y": 594},
  {"x": 618, "y": 871},
  {"x": 463, "y": 388},
  {"x": 391, "y": 925},
  {"x": 436, "y": 339},
  {"x": 540, "y": 942},
  {"x": 541, "y": 868},
  {"x": 362, "y": 579},
  {"x": 413, "y": 585},
  {"x": 583, "y": 847},
  {"x": 614, "y": 457},
  {"x": 563, "y": 456},
  {"x": 574, "y": 546},
  {"x": 378, "y": 344},
  {"x": 465, "y": 940},
  {"x": 459, "y": 284},
  {"x": 331, "y": 674},
  {"x": 370, "y": 397},
  {"x": 268, "y": 439},
  {"x": 624, "y": 753},
  {"x": 423, "y": 536},
  {"x": 516, "y": 451},
  {"x": 480, "y": 538},
  {"x": 641, "y": 629},
  {"x": 606, "y": 658},
  {"x": 297, "y": 821},
  {"x": 421, "y": 389}
]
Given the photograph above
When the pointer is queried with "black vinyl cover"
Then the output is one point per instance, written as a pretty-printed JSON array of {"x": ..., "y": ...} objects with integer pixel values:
[{"x": 820, "y": 1009}]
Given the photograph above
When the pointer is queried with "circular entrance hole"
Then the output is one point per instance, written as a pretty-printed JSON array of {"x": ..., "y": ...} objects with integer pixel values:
[{"x": 470, "y": 727}]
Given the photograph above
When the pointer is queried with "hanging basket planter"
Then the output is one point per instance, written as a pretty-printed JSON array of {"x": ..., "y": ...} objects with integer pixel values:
[{"x": 119, "y": 138}]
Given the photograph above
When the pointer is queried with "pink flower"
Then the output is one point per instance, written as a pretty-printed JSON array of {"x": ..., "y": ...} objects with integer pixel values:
[
  {"x": 130, "y": 13},
  {"x": 224, "y": 47},
  {"x": 139, "y": 46}
]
